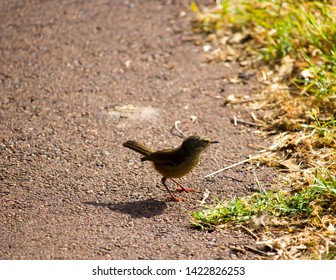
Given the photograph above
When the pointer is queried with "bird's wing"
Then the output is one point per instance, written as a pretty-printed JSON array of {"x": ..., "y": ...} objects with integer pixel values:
[{"x": 166, "y": 157}]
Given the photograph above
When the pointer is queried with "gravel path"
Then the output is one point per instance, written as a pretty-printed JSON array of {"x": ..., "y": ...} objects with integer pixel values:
[{"x": 77, "y": 79}]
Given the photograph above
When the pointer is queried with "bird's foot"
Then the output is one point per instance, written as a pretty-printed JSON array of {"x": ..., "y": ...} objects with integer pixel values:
[
  {"x": 181, "y": 188},
  {"x": 174, "y": 198}
]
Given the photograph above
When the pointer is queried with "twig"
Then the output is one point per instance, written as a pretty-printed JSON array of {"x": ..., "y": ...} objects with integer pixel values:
[
  {"x": 181, "y": 134},
  {"x": 235, "y": 121},
  {"x": 243, "y": 101},
  {"x": 240, "y": 250},
  {"x": 253, "y": 116},
  {"x": 255, "y": 250},
  {"x": 230, "y": 166},
  {"x": 250, "y": 232},
  {"x": 232, "y": 178}
]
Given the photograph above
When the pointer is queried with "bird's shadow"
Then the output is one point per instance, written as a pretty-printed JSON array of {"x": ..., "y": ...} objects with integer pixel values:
[{"x": 136, "y": 209}]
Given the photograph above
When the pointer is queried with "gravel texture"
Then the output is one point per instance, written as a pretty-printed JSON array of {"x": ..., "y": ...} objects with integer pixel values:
[{"x": 77, "y": 79}]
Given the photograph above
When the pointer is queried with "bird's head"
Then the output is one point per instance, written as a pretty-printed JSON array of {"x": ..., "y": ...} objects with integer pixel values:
[{"x": 196, "y": 143}]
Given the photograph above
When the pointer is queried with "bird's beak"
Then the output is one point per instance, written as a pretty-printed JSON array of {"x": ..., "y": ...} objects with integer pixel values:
[{"x": 210, "y": 141}]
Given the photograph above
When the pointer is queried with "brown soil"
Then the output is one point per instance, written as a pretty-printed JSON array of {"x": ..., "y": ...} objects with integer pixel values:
[{"x": 77, "y": 79}]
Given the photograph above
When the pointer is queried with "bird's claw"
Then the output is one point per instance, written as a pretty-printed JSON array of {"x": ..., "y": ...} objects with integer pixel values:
[{"x": 177, "y": 199}]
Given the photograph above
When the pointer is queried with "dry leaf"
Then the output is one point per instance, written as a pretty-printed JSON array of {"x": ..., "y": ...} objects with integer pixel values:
[{"x": 290, "y": 165}]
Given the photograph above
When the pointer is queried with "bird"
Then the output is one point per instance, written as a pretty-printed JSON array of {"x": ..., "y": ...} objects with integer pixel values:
[{"x": 176, "y": 162}]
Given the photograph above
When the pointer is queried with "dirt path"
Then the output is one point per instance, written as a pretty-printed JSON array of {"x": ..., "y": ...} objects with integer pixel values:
[{"x": 77, "y": 79}]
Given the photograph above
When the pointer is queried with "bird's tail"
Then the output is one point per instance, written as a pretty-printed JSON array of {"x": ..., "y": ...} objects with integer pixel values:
[{"x": 136, "y": 146}]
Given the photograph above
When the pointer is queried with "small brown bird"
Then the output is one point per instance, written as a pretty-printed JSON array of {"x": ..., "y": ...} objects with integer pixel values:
[{"x": 174, "y": 163}]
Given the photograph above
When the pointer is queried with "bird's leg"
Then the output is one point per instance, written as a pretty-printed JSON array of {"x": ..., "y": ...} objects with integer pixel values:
[
  {"x": 182, "y": 189},
  {"x": 172, "y": 197}
]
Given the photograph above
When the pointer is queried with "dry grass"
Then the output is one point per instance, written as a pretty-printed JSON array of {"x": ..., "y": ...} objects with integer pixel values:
[{"x": 292, "y": 46}]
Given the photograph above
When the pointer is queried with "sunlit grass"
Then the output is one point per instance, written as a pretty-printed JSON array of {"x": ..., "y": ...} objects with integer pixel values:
[
  {"x": 241, "y": 209},
  {"x": 306, "y": 217},
  {"x": 327, "y": 184},
  {"x": 303, "y": 30},
  {"x": 276, "y": 203},
  {"x": 325, "y": 130},
  {"x": 293, "y": 45}
]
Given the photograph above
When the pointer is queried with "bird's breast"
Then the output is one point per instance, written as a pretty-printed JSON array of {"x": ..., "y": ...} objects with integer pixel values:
[{"x": 177, "y": 171}]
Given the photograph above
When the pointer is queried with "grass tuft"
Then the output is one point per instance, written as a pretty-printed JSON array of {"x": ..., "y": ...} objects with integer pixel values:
[{"x": 307, "y": 215}]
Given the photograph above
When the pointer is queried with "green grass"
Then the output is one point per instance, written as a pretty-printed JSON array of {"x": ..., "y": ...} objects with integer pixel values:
[
  {"x": 299, "y": 37},
  {"x": 303, "y": 219},
  {"x": 278, "y": 204},
  {"x": 244, "y": 208},
  {"x": 326, "y": 184},
  {"x": 325, "y": 130},
  {"x": 302, "y": 30}
]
